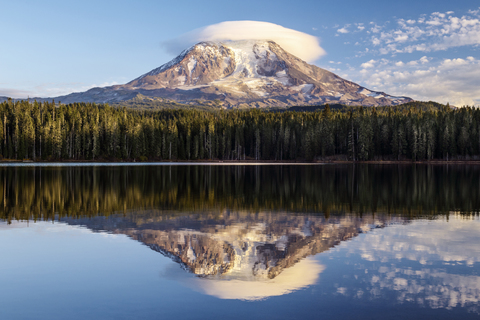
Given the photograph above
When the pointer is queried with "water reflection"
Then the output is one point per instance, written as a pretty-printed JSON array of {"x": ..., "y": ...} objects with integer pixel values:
[
  {"x": 252, "y": 256},
  {"x": 301, "y": 275},
  {"x": 46, "y": 193},
  {"x": 244, "y": 255},
  {"x": 432, "y": 263},
  {"x": 397, "y": 234}
]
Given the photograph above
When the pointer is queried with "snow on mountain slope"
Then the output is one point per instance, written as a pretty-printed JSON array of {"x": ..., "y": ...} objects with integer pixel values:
[{"x": 250, "y": 72}]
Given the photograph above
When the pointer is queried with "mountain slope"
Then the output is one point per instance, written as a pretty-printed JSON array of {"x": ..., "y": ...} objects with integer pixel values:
[{"x": 240, "y": 73}]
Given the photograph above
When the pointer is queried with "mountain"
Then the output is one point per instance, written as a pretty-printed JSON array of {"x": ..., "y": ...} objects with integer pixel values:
[
  {"x": 238, "y": 245},
  {"x": 240, "y": 73}
]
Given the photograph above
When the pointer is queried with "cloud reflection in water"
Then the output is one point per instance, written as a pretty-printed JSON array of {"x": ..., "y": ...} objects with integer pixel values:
[
  {"x": 301, "y": 275},
  {"x": 434, "y": 263}
]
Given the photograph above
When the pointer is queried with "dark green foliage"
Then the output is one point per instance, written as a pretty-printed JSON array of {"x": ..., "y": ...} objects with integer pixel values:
[
  {"x": 318, "y": 108},
  {"x": 419, "y": 105},
  {"x": 86, "y": 131}
]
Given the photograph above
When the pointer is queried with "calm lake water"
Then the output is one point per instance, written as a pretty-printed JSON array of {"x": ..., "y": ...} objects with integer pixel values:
[{"x": 239, "y": 242}]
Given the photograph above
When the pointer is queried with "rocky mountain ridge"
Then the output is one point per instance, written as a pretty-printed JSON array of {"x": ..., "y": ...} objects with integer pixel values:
[{"x": 240, "y": 74}]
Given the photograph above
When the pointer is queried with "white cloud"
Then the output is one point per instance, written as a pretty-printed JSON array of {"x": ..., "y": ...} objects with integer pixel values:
[
  {"x": 443, "y": 80},
  {"x": 376, "y": 28},
  {"x": 423, "y": 60},
  {"x": 475, "y": 12},
  {"x": 343, "y": 30},
  {"x": 454, "y": 62},
  {"x": 368, "y": 64},
  {"x": 438, "y": 31},
  {"x": 304, "y": 46},
  {"x": 401, "y": 38}
]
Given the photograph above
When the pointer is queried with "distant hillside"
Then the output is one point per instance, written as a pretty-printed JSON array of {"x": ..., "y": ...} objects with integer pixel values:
[
  {"x": 420, "y": 105},
  {"x": 141, "y": 102}
]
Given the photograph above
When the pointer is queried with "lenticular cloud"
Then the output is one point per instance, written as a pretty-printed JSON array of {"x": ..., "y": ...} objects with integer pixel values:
[{"x": 302, "y": 45}]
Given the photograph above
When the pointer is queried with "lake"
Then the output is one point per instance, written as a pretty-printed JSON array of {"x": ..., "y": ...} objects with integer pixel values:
[{"x": 203, "y": 241}]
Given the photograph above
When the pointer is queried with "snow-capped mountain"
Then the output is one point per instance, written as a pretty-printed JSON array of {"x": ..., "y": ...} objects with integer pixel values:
[
  {"x": 235, "y": 73},
  {"x": 239, "y": 245}
]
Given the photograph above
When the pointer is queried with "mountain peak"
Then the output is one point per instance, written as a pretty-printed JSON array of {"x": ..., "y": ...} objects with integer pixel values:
[{"x": 257, "y": 73}]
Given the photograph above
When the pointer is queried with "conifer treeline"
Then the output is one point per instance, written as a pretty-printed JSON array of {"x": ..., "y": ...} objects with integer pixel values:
[{"x": 85, "y": 131}]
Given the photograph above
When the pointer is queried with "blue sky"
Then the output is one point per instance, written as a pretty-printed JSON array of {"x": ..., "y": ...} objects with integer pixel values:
[{"x": 428, "y": 50}]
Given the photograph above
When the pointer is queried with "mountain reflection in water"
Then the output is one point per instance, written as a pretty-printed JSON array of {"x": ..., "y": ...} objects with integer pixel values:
[
  {"x": 242, "y": 250},
  {"x": 248, "y": 232}
]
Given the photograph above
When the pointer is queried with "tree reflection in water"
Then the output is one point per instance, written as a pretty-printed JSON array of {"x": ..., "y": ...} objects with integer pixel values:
[{"x": 46, "y": 193}]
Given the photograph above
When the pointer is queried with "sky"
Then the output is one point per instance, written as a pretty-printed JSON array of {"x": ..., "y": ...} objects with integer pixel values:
[{"x": 426, "y": 50}]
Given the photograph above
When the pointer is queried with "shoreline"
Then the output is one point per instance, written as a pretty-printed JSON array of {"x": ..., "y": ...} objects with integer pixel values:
[{"x": 245, "y": 162}]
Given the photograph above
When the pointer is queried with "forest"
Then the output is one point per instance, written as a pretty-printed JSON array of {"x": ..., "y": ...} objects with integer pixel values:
[{"x": 46, "y": 131}]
